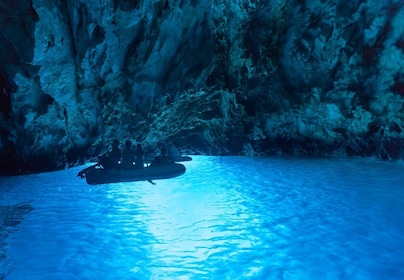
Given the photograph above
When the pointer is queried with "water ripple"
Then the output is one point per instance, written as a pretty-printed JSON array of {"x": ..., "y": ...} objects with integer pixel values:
[{"x": 225, "y": 218}]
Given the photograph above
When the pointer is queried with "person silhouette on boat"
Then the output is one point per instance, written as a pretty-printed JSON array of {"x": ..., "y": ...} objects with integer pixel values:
[
  {"x": 162, "y": 159},
  {"x": 128, "y": 156},
  {"x": 139, "y": 156},
  {"x": 140, "y": 159},
  {"x": 173, "y": 151},
  {"x": 114, "y": 157},
  {"x": 111, "y": 160}
]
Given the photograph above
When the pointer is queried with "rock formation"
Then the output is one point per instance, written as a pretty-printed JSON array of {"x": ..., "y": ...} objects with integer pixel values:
[{"x": 216, "y": 76}]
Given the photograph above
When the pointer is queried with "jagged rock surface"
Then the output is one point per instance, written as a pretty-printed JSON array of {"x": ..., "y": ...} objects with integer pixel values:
[{"x": 216, "y": 76}]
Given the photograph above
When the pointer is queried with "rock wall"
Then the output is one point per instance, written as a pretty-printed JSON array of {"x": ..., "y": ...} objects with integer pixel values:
[{"x": 215, "y": 76}]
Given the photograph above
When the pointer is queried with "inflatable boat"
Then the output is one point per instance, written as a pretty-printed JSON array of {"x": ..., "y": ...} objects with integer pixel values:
[
  {"x": 180, "y": 158},
  {"x": 98, "y": 175}
]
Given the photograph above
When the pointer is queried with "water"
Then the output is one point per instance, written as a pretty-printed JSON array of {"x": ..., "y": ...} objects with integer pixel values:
[{"x": 225, "y": 218}]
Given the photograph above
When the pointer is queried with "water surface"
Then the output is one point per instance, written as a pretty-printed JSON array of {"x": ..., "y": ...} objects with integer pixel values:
[{"x": 225, "y": 218}]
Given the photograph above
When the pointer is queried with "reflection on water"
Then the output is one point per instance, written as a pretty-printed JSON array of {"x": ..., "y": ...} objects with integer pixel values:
[
  {"x": 225, "y": 218},
  {"x": 10, "y": 217}
]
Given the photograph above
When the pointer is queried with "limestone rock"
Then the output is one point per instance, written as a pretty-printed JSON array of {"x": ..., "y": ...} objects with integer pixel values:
[{"x": 216, "y": 77}]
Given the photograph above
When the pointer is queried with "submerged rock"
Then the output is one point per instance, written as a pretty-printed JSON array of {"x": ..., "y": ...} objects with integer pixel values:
[{"x": 216, "y": 77}]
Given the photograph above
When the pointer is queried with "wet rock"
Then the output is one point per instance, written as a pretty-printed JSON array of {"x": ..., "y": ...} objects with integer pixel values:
[{"x": 218, "y": 77}]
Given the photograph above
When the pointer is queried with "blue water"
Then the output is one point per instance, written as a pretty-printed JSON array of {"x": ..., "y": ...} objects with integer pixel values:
[{"x": 225, "y": 218}]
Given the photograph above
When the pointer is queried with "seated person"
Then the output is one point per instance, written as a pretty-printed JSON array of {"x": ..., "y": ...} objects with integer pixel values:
[
  {"x": 128, "y": 155},
  {"x": 113, "y": 158},
  {"x": 172, "y": 150},
  {"x": 139, "y": 156},
  {"x": 162, "y": 159}
]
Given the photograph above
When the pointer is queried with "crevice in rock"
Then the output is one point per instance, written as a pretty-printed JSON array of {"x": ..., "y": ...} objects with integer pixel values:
[{"x": 5, "y": 92}]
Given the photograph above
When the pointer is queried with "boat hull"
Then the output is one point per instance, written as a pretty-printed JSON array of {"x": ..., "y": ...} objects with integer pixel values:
[
  {"x": 105, "y": 176},
  {"x": 180, "y": 158}
]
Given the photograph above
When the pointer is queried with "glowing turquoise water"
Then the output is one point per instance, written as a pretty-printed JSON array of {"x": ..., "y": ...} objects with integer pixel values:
[{"x": 225, "y": 218}]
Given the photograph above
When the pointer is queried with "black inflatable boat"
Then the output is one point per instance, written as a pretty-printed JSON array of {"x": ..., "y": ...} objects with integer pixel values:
[{"x": 98, "y": 175}]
